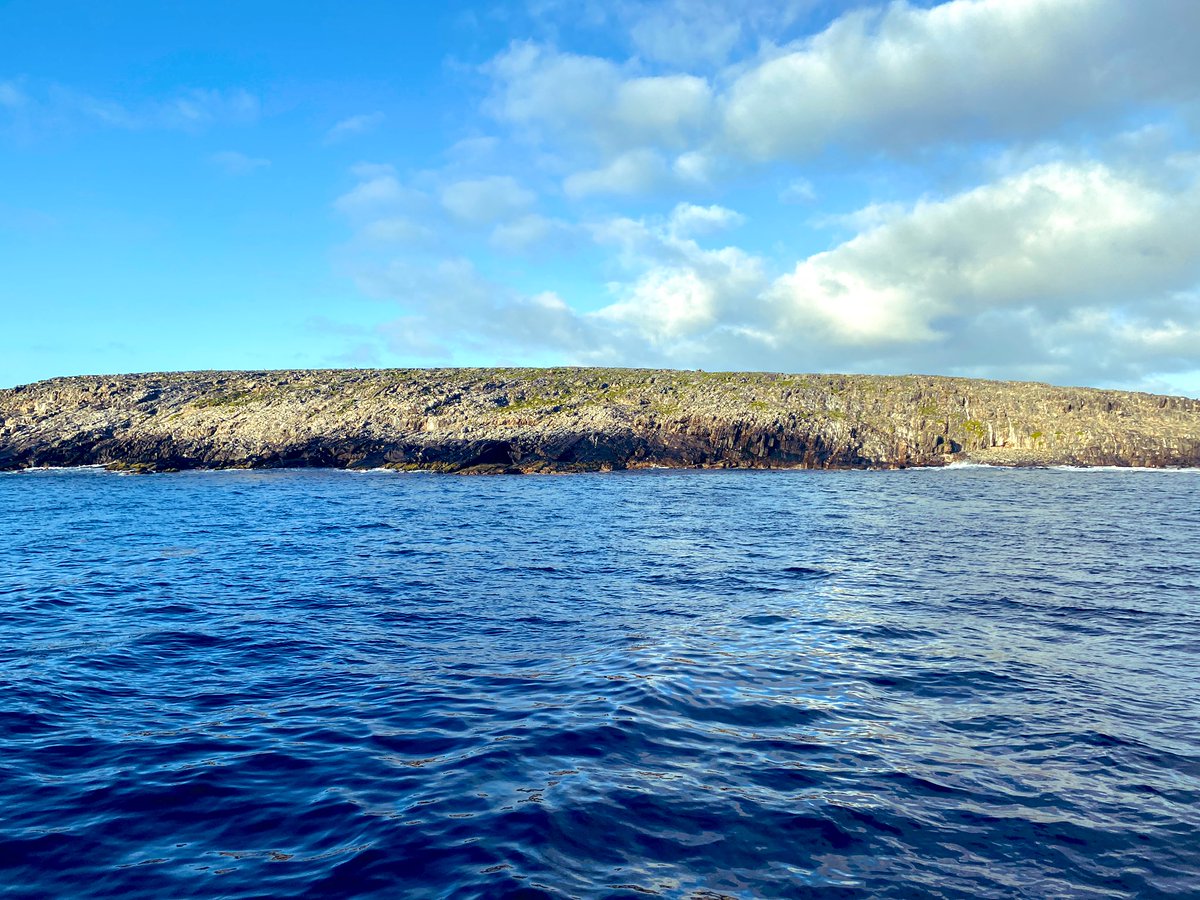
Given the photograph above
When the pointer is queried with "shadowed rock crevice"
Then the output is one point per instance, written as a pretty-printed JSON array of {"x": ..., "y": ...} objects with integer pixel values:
[{"x": 576, "y": 420}]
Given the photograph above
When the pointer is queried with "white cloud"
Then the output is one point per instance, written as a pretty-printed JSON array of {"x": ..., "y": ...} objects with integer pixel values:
[
  {"x": 687, "y": 33},
  {"x": 594, "y": 100},
  {"x": 902, "y": 76},
  {"x": 695, "y": 167},
  {"x": 378, "y": 191},
  {"x": 679, "y": 307},
  {"x": 535, "y": 85},
  {"x": 690, "y": 220},
  {"x": 1055, "y": 238},
  {"x": 531, "y": 232},
  {"x": 667, "y": 304},
  {"x": 473, "y": 150},
  {"x": 635, "y": 172},
  {"x": 683, "y": 33},
  {"x": 660, "y": 110},
  {"x": 681, "y": 298},
  {"x": 234, "y": 163},
  {"x": 450, "y": 303},
  {"x": 397, "y": 230},
  {"x": 1069, "y": 273},
  {"x": 483, "y": 201},
  {"x": 799, "y": 191},
  {"x": 384, "y": 211},
  {"x": 353, "y": 126},
  {"x": 893, "y": 78},
  {"x": 1072, "y": 260}
]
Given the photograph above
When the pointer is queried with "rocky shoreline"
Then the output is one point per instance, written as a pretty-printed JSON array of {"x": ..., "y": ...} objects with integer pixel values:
[{"x": 493, "y": 421}]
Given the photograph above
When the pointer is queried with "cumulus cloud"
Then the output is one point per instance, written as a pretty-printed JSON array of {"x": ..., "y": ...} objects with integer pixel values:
[
  {"x": 532, "y": 232},
  {"x": 903, "y": 76},
  {"x": 588, "y": 98},
  {"x": 385, "y": 212},
  {"x": 662, "y": 109},
  {"x": 635, "y": 172},
  {"x": 884, "y": 79},
  {"x": 798, "y": 191},
  {"x": 396, "y": 229},
  {"x": 352, "y": 126},
  {"x": 682, "y": 303},
  {"x": 1057, "y": 238},
  {"x": 535, "y": 84},
  {"x": 473, "y": 150},
  {"x": 683, "y": 33},
  {"x": 686, "y": 32},
  {"x": 234, "y": 163},
  {"x": 378, "y": 192},
  {"x": 1070, "y": 259},
  {"x": 695, "y": 167},
  {"x": 1061, "y": 272},
  {"x": 483, "y": 201},
  {"x": 688, "y": 219},
  {"x": 385, "y": 209},
  {"x": 678, "y": 293},
  {"x": 692, "y": 304},
  {"x": 449, "y": 305}
]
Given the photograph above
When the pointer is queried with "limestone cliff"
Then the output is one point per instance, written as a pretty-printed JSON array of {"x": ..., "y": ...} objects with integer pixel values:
[{"x": 571, "y": 419}]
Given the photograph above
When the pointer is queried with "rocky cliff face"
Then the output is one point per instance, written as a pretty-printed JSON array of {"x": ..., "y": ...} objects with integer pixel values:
[{"x": 569, "y": 419}]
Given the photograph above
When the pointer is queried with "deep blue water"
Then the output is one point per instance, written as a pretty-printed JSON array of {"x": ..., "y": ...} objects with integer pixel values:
[{"x": 969, "y": 682}]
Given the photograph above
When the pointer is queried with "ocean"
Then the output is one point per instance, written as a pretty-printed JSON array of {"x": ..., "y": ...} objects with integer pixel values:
[{"x": 967, "y": 682}]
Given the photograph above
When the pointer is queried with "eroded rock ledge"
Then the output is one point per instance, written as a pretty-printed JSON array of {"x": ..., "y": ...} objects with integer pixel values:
[{"x": 578, "y": 419}]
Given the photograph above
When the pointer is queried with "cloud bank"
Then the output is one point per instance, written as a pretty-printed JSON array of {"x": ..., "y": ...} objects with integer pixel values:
[{"x": 998, "y": 188}]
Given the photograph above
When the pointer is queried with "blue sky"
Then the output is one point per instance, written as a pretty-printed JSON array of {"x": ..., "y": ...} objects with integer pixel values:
[{"x": 993, "y": 188}]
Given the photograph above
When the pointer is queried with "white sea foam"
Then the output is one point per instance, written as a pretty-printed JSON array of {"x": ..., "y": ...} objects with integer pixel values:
[
  {"x": 1125, "y": 469},
  {"x": 960, "y": 465},
  {"x": 955, "y": 466},
  {"x": 35, "y": 469}
]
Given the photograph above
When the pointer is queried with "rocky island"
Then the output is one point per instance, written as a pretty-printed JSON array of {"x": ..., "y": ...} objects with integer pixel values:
[{"x": 580, "y": 419}]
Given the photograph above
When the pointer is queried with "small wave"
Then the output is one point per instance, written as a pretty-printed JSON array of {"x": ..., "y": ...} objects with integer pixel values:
[
  {"x": 958, "y": 465},
  {"x": 33, "y": 470},
  {"x": 765, "y": 619},
  {"x": 806, "y": 572},
  {"x": 600, "y": 682},
  {"x": 1183, "y": 469}
]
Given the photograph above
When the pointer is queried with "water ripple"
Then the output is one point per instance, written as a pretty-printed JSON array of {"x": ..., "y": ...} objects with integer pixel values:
[{"x": 308, "y": 684}]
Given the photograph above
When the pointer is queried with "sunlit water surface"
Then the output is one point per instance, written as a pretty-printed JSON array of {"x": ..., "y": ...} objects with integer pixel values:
[{"x": 951, "y": 683}]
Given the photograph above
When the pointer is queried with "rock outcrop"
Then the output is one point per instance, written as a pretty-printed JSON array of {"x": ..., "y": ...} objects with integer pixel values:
[{"x": 573, "y": 419}]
